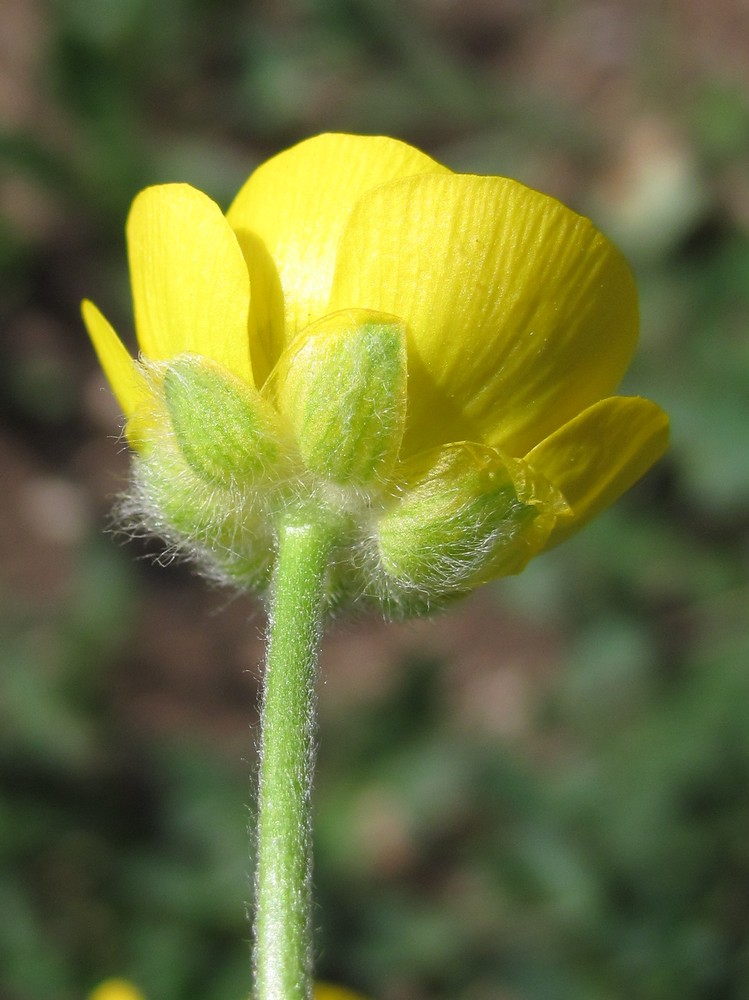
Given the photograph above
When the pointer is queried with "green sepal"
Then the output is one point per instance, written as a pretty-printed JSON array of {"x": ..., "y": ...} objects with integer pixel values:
[
  {"x": 342, "y": 389},
  {"x": 468, "y": 514},
  {"x": 224, "y": 429},
  {"x": 228, "y": 532}
]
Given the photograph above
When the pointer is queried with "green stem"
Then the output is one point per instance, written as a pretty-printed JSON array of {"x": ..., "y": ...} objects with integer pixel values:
[{"x": 283, "y": 939}]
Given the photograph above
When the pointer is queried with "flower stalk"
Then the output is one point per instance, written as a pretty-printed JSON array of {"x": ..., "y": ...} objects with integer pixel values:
[
  {"x": 283, "y": 944},
  {"x": 373, "y": 354}
]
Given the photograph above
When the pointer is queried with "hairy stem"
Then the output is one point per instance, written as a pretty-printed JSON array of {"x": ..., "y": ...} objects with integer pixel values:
[{"x": 283, "y": 940}]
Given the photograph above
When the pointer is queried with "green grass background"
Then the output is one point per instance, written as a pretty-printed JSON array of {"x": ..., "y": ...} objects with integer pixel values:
[{"x": 541, "y": 795}]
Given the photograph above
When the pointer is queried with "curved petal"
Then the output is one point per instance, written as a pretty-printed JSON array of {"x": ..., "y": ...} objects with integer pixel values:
[
  {"x": 122, "y": 374},
  {"x": 520, "y": 312},
  {"x": 295, "y": 206},
  {"x": 191, "y": 289},
  {"x": 597, "y": 456}
]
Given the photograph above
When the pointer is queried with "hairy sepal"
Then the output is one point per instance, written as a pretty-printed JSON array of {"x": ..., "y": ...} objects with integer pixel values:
[
  {"x": 212, "y": 469},
  {"x": 342, "y": 389},
  {"x": 467, "y": 514}
]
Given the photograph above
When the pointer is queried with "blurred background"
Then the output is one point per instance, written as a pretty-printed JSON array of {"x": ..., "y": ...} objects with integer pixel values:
[{"x": 541, "y": 795}]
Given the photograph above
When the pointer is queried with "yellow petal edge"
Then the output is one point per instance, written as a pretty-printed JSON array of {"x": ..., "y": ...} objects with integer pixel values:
[
  {"x": 127, "y": 384},
  {"x": 596, "y": 457}
]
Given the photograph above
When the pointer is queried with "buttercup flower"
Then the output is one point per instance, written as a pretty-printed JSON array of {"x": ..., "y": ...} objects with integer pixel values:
[{"x": 421, "y": 359}]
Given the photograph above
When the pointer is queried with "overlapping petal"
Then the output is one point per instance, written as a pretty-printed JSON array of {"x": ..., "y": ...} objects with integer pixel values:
[
  {"x": 596, "y": 457},
  {"x": 289, "y": 217},
  {"x": 191, "y": 289},
  {"x": 520, "y": 313}
]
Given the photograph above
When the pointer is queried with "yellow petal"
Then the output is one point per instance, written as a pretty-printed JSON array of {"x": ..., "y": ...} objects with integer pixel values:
[
  {"x": 520, "y": 313},
  {"x": 191, "y": 289},
  {"x": 126, "y": 381},
  {"x": 292, "y": 210},
  {"x": 597, "y": 456}
]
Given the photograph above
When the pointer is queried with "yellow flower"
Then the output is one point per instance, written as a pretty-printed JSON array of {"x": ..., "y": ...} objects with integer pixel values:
[{"x": 424, "y": 359}]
